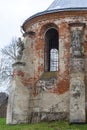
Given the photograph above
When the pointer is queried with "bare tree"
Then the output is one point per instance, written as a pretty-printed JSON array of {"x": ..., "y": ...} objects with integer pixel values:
[{"x": 9, "y": 55}]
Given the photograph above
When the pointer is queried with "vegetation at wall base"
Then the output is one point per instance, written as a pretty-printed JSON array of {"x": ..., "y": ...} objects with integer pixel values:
[{"x": 55, "y": 125}]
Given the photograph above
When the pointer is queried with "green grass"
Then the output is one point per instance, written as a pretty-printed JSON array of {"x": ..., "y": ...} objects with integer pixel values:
[{"x": 42, "y": 126}]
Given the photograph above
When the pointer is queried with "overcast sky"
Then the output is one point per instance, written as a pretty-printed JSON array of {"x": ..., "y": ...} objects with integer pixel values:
[{"x": 13, "y": 13}]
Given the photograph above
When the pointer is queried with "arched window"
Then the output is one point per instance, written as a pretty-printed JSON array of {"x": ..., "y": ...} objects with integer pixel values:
[{"x": 51, "y": 50}]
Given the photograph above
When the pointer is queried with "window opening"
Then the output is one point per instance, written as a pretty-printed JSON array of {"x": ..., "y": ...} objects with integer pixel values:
[{"x": 51, "y": 50}]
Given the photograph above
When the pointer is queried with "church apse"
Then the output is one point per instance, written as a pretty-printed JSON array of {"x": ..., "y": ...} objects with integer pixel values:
[{"x": 49, "y": 78}]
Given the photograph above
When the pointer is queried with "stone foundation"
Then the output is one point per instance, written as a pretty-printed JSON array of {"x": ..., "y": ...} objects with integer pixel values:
[{"x": 48, "y": 116}]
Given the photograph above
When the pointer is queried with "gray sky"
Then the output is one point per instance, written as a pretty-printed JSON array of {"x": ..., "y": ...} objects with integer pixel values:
[{"x": 13, "y": 13}]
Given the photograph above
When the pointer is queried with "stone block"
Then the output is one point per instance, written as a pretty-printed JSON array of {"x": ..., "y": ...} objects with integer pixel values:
[
  {"x": 77, "y": 100},
  {"x": 77, "y": 65}
]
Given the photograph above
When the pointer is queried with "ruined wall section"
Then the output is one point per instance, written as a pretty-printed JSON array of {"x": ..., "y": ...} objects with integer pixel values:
[
  {"x": 77, "y": 74},
  {"x": 85, "y": 64},
  {"x": 62, "y": 21},
  {"x": 28, "y": 76},
  {"x": 17, "y": 111},
  {"x": 61, "y": 87},
  {"x": 29, "y": 58},
  {"x": 22, "y": 85}
]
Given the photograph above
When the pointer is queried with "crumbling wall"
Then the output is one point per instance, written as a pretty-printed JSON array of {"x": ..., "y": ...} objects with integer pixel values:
[{"x": 48, "y": 97}]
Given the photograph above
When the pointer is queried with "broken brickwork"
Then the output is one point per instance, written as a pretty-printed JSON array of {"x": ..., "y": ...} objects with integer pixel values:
[{"x": 35, "y": 90}]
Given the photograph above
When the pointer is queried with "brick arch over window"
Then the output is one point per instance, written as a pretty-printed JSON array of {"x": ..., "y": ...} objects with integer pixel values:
[
  {"x": 46, "y": 27},
  {"x": 51, "y": 49}
]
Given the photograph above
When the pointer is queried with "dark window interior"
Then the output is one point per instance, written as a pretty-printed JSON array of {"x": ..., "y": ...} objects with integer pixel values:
[{"x": 51, "y": 50}]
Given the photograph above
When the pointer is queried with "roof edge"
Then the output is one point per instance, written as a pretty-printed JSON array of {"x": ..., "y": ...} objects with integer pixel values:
[{"x": 52, "y": 11}]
